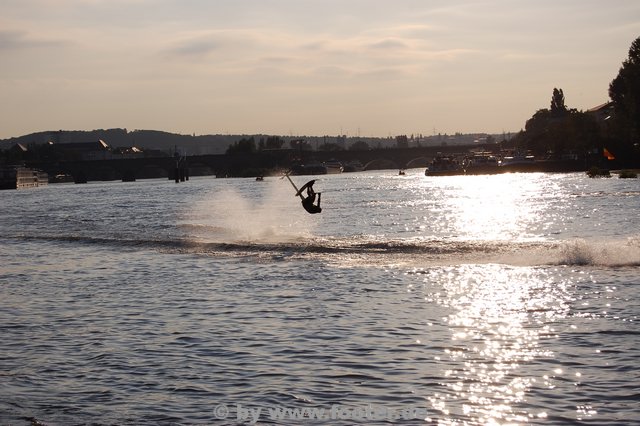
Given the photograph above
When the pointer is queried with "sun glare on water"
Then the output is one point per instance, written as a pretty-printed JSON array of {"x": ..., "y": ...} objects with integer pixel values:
[
  {"x": 498, "y": 317},
  {"x": 499, "y": 207}
]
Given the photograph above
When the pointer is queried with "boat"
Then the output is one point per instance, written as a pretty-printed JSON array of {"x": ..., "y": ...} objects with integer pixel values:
[
  {"x": 61, "y": 178},
  {"x": 333, "y": 166},
  {"x": 444, "y": 166},
  {"x": 518, "y": 163},
  {"x": 18, "y": 177},
  {"x": 352, "y": 166},
  {"x": 481, "y": 164}
]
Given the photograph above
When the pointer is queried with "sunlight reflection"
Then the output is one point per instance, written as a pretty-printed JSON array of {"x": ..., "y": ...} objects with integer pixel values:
[
  {"x": 499, "y": 207},
  {"x": 499, "y": 316}
]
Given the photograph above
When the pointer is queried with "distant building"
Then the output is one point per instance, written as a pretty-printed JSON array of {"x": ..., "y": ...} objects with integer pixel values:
[
  {"x": 19, "y": 148},
  {"x": 602, "y": 113},
  {"x": 98, "y": 150}
]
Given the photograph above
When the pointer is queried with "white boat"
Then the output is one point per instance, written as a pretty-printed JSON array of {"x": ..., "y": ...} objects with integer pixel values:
[
  {"x": 18, "y": 177},
  {"x": 518, "y": 163},
  {"x": 333, "y": 166},
  {"x": 517, "y": 159}
]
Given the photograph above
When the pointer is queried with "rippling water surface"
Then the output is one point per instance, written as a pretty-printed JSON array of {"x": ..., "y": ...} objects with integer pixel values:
[{"x": 508, "y": 299}]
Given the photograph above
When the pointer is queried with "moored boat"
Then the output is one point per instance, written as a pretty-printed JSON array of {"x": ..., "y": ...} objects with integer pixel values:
[
  {"x": 18, "y": 177},
  {"x": 444, "y": 166},
  {"x": 333, "y": 166},
  {"x": 353, "y": 166},
  {"x": 481, "y": 164},
  {"x": 518, "y": 163}
]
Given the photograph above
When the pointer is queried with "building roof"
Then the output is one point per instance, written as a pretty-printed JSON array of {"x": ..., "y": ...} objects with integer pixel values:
[
  {"x": 19, "y": 147},
  {"x": 601, "y": 107}
]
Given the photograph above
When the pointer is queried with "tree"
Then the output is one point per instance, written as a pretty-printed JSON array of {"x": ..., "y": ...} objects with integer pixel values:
[
  {"x": 558, "y": 108},
  {"x": 359, "y": 146},
  {"x": 624, "y": 92},
  {"x": 244, "y": 145},
  {"x": 537, "y": 131},
  {"x": 559, "y": 129},
  {"x": 330, "y": 147},
  {"x": 274, "y": 142}
]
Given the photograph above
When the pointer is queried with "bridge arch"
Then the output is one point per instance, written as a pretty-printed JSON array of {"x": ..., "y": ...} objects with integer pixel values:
[
  {"x": 381, "y": 164},
  {"x": 417, "y": 162}
]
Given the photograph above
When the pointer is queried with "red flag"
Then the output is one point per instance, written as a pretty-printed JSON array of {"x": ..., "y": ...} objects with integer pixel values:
[{"x": 607, "y": 154}]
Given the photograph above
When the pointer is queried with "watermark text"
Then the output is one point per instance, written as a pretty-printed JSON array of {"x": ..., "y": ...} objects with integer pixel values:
[{"x": 253, "y": 414}]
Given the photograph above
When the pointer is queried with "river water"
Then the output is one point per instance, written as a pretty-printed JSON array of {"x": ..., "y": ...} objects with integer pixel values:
[{"x": 418, "y": 300}]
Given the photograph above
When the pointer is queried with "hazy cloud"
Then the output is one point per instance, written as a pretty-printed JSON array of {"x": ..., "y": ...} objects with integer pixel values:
[
  {"x": 195, "y": 48},
  {"x": 393, "y": 44},
  {"x": 277, "y": 59},
  {"x": 13, "y": 39}
]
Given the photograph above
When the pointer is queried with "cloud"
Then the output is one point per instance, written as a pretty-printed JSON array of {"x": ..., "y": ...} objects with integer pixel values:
[
  {"x": 388, "y": 44},
  {"x": 383, "y": 74},
  {"x": 226, "y": 44},
  {"x": 15, "y": 40},
  {"x": 12, "y": 39},
  {"x": 270, "y": 60},
  {"x": 195, "y": 48},
  {"x": 332, "y": 71}
]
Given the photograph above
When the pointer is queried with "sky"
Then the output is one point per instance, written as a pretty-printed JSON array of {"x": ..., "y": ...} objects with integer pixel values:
[{"x": 304, "y": 67}]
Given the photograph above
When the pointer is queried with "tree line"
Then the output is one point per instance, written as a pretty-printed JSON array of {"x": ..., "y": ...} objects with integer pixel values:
[
  {"x": 559, "y": 130},
  {"x": 249, "y": 145}
]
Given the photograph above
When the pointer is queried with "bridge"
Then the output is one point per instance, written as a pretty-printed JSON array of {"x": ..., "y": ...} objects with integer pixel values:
[{"x": 241, "y": 164}]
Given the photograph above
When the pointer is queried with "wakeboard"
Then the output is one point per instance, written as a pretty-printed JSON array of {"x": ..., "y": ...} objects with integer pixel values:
[{"x": 305, "y": 186}]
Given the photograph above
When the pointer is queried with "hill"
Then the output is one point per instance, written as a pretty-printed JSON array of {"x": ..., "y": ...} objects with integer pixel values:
[
  {"x": 149, "y": 139},
  {"x": 218, "y": 144}
]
